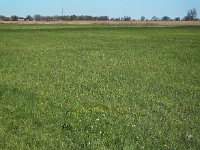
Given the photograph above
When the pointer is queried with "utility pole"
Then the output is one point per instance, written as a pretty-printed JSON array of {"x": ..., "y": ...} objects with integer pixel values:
[{"x": 62, "y": 14}]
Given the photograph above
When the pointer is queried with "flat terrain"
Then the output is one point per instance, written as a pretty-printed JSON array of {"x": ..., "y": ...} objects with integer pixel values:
[
  {"x": 163, "y": 23},
  {"x": 99, "y": 87}
]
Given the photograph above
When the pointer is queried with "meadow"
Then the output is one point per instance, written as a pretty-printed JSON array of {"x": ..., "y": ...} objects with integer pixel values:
[{"x": 99, "y": 87}]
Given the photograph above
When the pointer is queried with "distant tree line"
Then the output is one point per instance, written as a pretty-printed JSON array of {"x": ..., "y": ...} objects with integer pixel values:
[
  {"x": 38, "y": 17},
  {"x": 191, "y": 16}
]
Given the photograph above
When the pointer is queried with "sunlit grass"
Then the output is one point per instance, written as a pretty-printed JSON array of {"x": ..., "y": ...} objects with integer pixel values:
[{"x": 101, "y": 87}]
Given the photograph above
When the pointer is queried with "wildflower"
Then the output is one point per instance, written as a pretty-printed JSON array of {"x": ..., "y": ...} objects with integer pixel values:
[
  {"x": 188, "y": 137},
  {"x": 40, "y": 102},
  {"x": 84, "y": 110}
]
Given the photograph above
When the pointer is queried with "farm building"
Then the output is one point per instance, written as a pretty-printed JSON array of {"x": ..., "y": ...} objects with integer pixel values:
[{"x": 21, "y": 19}]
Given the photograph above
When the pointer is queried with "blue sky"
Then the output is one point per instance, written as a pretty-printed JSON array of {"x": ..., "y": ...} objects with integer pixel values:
[{"x": 111, "y": 8}]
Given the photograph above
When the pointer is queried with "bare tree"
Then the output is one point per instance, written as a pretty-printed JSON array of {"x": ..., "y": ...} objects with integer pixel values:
[
  {"x": 154, "y": 18},
  {"x": 191, "y": 15},
  {"x": 37, "y": 17}
]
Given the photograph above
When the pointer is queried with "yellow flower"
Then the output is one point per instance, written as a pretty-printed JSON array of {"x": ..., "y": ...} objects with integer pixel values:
[{"x": 84, "y": 110}]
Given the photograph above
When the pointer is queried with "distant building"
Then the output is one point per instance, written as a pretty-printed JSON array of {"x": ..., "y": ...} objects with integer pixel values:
[{"x": 21, "y": 19}]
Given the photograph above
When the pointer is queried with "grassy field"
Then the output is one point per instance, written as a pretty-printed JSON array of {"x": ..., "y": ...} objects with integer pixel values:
[{"x": 99, "y": 87}]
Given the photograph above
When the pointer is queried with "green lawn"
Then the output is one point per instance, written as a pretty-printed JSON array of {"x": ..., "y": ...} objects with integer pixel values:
[{"x": 99, "y": 87}]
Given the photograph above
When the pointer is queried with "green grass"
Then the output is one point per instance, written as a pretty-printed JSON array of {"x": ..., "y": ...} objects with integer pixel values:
[{"x": 99, "y": 87}]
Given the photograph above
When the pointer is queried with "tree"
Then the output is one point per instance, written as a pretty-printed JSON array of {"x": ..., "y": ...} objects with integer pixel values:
[
  {"x": 103, "y": 18},
  {"x": 2, "y": 18},
  {"x": 154, "y": 18},
  {"x": 191, "y": 15},
  {"x": 166, "y": 18},
  {"x": 142, "y": 18},
  {"x": 73, "y": 17},
  {"x": 14, "y": 18},
  {"x": 29, "y": 18},
  {"x": 177, "y": 19},
  {"x": 37, "y": 17},
  {"x": 66, "y": 18},
  {"x": 47, "y": 18},
  {"x": 126, "y": 18}
]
